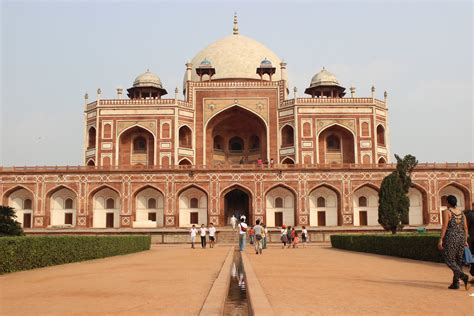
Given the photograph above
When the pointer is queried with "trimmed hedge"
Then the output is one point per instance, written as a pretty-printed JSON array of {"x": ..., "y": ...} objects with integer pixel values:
[
  {"x": 412, "y": 246},
  {"x": 24, "y": 253}
]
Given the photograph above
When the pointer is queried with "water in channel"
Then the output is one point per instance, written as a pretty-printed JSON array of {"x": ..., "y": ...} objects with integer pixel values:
[{"x": 236, "y": 303}]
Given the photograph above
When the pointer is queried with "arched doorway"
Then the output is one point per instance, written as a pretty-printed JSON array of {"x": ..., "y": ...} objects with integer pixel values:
[
  {"x": 415, "y": 213},
  {"x": 21, "y": 200},
  {"x": 63, "y": 207},
  {"x": 148, "y": 208},
  {"x": 455, "y": 190},
  {"x": 365, "y": 204},
  {"x": 323, "y": 207},
  {"x": 192, "y": 207},
  {"x": 237, "y": 202},
  {"x": 106, "y": 208},
  {"x": 280, "y": 207},
  {"x": 236, "y": 134},
  {"x": 137, "y": 147},
  {"x": 336, "y": 145}
]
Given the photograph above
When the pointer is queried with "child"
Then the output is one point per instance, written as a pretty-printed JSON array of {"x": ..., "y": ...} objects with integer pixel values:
[
  {"x": 284, "y": 236},
  {"x": 251, "y": 234},
  {"x": 193, "y": 232},
  {"x": 296, "y": 239},
  {"x": 304, "y": 235},
  {"x": 203, "y": 236},
  {"x": 212, "y": 235}
]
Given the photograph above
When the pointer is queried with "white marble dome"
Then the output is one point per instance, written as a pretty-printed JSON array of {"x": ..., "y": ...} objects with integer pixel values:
[
  {"x": 147, "y": 79},
  {"x": 324, "y": 78},
  {"x": 235, "y": 57}
]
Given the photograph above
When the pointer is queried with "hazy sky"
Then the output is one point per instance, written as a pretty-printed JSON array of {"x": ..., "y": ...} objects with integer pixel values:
[{"x": 53, "y": 52}]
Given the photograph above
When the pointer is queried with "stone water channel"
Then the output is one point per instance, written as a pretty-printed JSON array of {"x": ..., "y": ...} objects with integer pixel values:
[{"x": 237, "y": 303}]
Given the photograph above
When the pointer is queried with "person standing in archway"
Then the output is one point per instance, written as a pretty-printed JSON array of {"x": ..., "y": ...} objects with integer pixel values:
[
  {"x": 242, "y": 233},
  {"x": 452, "y": 242},
  {"x": 233, "y": 221}
]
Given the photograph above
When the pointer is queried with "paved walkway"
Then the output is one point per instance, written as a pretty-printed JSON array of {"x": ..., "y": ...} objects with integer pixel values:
[
  {"x": 167, "y": 280},
  {"x": 321, "y": 280}
]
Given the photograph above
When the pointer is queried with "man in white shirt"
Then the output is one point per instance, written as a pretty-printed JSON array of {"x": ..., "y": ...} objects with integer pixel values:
[
  {"x": 193, "y": 233},
  {"x": 203, "y": 236},
  {"x": 242, "y": 233},
  {"x": 233, "y": 221},
  {"x": 212, "y": 235}
]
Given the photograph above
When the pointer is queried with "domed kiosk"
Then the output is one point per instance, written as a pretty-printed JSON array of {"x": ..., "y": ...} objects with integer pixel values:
[
  {"x": 146, "y": 85},
  {"x": 325, "y": 84}
]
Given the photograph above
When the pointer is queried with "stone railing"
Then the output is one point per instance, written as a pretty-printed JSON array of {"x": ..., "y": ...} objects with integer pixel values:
[
  {"x": 224, "y": 166},
  {"x": 138, "y": 102}
]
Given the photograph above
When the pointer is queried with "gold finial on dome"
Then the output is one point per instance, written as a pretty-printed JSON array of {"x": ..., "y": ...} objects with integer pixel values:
[{"x": 236, "y": 25}]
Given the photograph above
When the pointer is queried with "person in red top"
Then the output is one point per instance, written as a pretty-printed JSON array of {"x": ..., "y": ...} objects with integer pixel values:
[
  {"x": 259, "y": 162},
  {"x": 251, "y": 234}
]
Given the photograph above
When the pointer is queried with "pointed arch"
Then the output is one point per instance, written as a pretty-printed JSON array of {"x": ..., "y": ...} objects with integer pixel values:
[
  {"x": 144, "y": 216},
  {"x": 288, "y": 161},
  {"x": 56, "y": 216},
  {"x": 151, "y": 145},
  {"x": 19, "y": 195},
  {"x": 187, "y": 215},
  {"x": 287, "y": 134},
  {"x": 424, "y": 204},
  {"x": 367, "y": 213},
  {"x": 244, "y": 205},
  {"x": 185, "y": 162},
  {"x": 275, "y": 216},
  {"x": 331, "y": 213},
  {"x": 348, "y": 153}
]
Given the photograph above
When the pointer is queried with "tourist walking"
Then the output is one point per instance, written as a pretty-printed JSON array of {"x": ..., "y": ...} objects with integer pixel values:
[
  {"x": 233, "y": 221},
  {"x": 265, "y": 236},
  {"x": 258, "y": 230},
  {"x": 203, "y": 236},
  {"x": 452, "y": 242},
  {"x": 304, "y": 236},
  {"x": 242, "y": 233},
  {"x": 212, "y": 235},
  {"x": 289, "y": 238},
  {"x": 284, "y": 236},
  {"x": 193, "y": 233},
  {"x": 296, "y": 239},
  {"x": 470, "y": 229},
  {"x": 251, "y": 235}
]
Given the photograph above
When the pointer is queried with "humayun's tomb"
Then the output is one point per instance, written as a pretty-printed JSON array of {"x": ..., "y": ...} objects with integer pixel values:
[{"x": 154, "y": 162}]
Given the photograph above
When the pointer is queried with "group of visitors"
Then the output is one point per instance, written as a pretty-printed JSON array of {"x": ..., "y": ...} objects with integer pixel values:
[
  {"x": 457, "y": 226},
  {"x": 203, "y": 231},
  {"x": 257, "y": 235},
  {"x": 289, "y": 237},
  {"x": 260, "y": 162}
]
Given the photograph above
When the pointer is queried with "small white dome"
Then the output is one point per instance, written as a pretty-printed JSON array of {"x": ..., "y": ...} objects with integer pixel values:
[
  {"x": 147, "y": 79},
  {"x": 324, "y": 78}
]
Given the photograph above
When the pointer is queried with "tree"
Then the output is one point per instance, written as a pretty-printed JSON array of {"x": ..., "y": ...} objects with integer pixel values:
[
  {"x": 8, "y": 225},
  {"x": 394, "y": 203}
]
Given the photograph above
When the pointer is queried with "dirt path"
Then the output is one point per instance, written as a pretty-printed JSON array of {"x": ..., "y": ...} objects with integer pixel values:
[
  {"x": 163, "y": 281},
  {"x": 321, "y": 280}
]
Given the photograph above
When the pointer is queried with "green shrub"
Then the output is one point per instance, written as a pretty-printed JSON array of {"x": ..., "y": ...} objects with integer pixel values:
[
  {"x": 412, "y": 246},
  {"x": 24, "y": 253}
]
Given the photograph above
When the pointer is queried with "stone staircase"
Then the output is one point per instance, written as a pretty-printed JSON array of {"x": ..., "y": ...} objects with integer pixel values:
[{"x": 227, "y": 236}]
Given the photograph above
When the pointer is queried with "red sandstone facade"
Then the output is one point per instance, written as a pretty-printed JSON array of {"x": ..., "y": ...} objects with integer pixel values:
[{"x": 154, "y": 162}]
